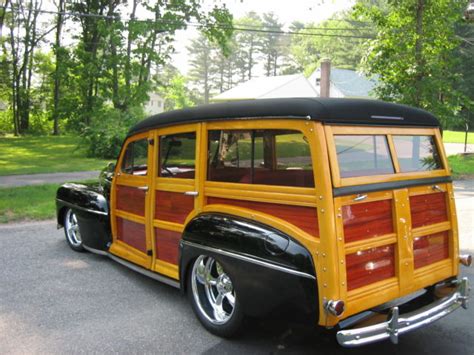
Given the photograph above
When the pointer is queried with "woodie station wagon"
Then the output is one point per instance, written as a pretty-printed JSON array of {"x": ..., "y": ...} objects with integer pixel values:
[{"x": 339, "y": 210}]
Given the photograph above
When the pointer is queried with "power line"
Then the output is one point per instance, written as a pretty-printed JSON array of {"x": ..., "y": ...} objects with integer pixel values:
[{"x": 246, "y": 28}]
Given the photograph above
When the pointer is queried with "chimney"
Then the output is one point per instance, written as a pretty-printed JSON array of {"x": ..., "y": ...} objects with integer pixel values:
[{"x": 325, "y": 75}]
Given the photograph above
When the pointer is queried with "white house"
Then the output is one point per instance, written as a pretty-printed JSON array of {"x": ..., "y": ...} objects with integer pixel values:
[
  {"x": 155, "y": 104},
  {"x": 343, "y": 83}
]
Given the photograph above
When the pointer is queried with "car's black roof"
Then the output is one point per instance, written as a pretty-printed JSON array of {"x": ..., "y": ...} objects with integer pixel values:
[{"x": 327, "y": 110}]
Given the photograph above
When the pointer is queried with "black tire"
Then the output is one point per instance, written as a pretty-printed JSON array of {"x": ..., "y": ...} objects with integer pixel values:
[
  {"x": 205, "y": 296},
  {"x": 71, "y": 231}
]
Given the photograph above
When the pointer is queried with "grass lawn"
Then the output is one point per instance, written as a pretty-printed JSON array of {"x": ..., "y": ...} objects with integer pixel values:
[
  {"x": 457, "y": 137},
  {"x": 46, "y": 154},
  {"x": 462, "y": 166},
  {"x": 27, "y": 203}
]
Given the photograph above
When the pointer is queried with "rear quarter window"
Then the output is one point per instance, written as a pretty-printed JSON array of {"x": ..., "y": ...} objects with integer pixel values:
[
  {"x": 363, "y": 155},
  {"x": 417, "y": 153}
]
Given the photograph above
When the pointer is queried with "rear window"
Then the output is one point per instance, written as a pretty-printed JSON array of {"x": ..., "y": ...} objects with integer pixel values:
[
  {"x": 267, "y": 157},
  {"x": 416, "y": 153},
  {"x": 363, "y": 155}
]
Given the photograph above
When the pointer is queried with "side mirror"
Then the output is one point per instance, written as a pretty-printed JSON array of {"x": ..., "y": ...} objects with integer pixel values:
[{"x": 110, "y": 167}]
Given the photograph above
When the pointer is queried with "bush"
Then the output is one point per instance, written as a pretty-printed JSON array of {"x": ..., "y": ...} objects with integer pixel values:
[{"x": 104, "y": 137}]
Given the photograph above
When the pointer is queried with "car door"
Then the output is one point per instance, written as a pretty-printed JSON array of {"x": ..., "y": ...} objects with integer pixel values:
[
  {"x": 130, "y": 201},
  {"x": 175, "y": 193}
]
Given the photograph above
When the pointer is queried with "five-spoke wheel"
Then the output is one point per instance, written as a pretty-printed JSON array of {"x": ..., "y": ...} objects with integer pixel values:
[
  {"x": 71, "y": 229},
  {"x": 213, "y": 297}
]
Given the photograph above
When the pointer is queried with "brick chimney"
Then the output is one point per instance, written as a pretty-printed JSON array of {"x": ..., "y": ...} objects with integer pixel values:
[{"x": 325, "y": 83}]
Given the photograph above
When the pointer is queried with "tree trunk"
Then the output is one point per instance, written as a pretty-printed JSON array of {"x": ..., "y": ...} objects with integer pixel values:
[
  {"x": 3, "y": 10},
  {"x": 419, "y": 52},
  {"x": 57, "y": 70},
  {"x": 128, "y": 60}
]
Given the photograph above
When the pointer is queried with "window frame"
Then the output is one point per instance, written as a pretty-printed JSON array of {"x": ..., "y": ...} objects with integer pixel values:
[
  {"x": 338, "y": 181},
  {"x": 256, "y": 125}
]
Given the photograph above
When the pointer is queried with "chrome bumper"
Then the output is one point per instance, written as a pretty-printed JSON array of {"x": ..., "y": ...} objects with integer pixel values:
[{"x": 400, "y": 324}]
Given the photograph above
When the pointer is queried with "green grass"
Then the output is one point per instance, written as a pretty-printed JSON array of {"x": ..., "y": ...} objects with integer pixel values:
[
  {"x": 462, "y": 166},
  {"x": 27, "y": 203},
  {"x": 457, "y": 137},
  {"x": 45, "y": 154}
]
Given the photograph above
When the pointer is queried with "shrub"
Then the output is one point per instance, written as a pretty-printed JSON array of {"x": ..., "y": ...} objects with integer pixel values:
[{"x": 104, "y": 137}]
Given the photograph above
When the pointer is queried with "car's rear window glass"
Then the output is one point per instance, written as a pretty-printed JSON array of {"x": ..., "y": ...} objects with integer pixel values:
[
  {"x": 178, "y": 155},
  {"x": 416, "y": 153},
  {"x": 267, "y": 157},
  {"x": 363, "y": 155},
  {"x": 135, "y": 158}
]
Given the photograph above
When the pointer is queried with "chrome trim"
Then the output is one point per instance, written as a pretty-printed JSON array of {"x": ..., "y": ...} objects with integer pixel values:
[
  {"x": 142, "y": 188},
  {"x": 465, "y": 259},
  {"x": 398, "y": 118},
  {"x": 145, "y": 272},
  {"x": 400, "y": 324},
  {"x": 95, "y": 251},
  {"x": 249, "y": 259},
  {"x": 191, "y": 193},
  {"x": 68, "y": 204}
]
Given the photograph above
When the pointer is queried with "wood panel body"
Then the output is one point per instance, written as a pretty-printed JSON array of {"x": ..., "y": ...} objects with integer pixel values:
[
  {"x": 131, "y": 200},
  {"x": 369, "y": 266},
  {"x": 167, "y": 245},
  {"x": 173, "y": 206},
  {"x": 305, "y": 218},
  {"x": 430, "y": 249},
  {"x": 131, "y": 233},
  {"x": 367, "y": 220},
  {"x": 428, "y": 209}
]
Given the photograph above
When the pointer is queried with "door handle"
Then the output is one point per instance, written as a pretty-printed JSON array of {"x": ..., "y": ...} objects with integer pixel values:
[
  {"x": 191, "y": 193},
  {"x": 143, "y": 188},
  {"x": 360, "y": 197}
]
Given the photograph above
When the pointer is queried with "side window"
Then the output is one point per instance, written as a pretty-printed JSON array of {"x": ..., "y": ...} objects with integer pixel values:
[
  {"x": 267, "y": 157},
  {"x": 363, "y": 155},
  {"x": 178, "y": 155},
  {"x": 416, "y": 153},
  {"x": 135, "y": 158}
]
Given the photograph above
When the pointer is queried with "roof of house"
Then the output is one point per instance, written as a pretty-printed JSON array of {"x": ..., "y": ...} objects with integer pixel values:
[
  {"x": 268, "y": 87},
  {"x": 351, "y": 83},
  {"x": 327, "y": 110}
]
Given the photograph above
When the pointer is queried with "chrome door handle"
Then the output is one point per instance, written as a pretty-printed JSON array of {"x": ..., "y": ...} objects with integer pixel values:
[
  {"x": 191, "y": 193},
  {"x": 360, "y": 197},
  {"x": 143, "y": 188}
]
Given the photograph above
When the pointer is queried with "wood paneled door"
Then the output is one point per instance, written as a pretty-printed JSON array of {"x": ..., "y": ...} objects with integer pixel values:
[
  {"x": 175, "y": 193},
  {"x": 131, "y": 201}
]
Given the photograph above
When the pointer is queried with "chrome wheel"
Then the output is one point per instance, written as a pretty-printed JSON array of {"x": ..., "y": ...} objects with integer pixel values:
[
  {"x": 71, "y": 227},
  {"x": 213, "y": 291}
]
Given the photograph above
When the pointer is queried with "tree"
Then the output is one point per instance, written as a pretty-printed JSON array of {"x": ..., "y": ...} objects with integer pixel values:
[
  {"x": 413, "y": 53},
  {"x": 249, "y": 44},
  {"x": 272, "y": 44},
  {"x": 200, "y": 63},
  {"x": 337, "y": 40},
  {"x": 177, "y": 94}
]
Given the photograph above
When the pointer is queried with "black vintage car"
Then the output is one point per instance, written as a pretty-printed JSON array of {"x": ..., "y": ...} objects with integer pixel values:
[{"x": 334, "y": 210}]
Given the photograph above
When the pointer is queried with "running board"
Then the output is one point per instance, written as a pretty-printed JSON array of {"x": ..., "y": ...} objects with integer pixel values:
[
  {"x": 134, "y": 267},
  {"x": 145, "y": 272}
]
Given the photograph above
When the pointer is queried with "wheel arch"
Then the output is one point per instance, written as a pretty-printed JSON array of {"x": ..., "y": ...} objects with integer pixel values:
[{"x": 279, "y": 262}]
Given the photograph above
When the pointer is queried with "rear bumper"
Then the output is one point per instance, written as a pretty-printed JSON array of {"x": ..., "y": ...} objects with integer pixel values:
[{"x": 399, "y": 324}]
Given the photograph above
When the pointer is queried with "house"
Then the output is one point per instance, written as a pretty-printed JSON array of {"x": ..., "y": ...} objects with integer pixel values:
[
  {"x": 155, "y": 104},
  {"x": 343, "y": 83}
]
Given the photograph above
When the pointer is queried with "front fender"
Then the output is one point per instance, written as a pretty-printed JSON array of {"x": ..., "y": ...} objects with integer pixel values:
[
  {"x": 91, "y": 207},
  {"x": 269, "y": 268}
]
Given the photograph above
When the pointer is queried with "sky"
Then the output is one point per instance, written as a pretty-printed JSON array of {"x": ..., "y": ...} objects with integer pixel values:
[{"x": 286, "y": 10}]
